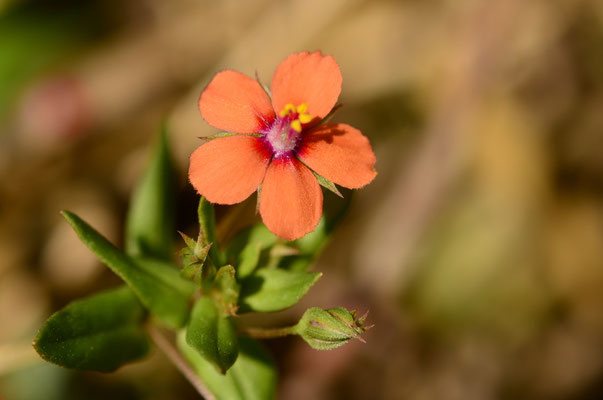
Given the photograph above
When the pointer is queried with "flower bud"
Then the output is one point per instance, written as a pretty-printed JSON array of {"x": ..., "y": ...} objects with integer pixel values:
[
  {"x": 193, "y": 258},
  {"x": 329, "y": 329}
]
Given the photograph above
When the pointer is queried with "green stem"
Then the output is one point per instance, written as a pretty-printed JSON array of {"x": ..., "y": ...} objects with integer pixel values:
[
  {"x": 174, "y": 356},
  {"x": 268, "y": 333},
  {"x": 208, "y": 227}
]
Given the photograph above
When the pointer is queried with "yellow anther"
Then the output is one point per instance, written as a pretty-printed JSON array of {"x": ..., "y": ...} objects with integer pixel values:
[
  {"x": 305, "y": 118},
  {"x": 302, "y": 116},
  {"x": 287, "y": 110},
  {"x": 296, "y": 125}
]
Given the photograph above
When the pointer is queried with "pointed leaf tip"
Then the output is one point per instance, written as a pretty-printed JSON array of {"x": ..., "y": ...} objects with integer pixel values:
[
  {"x": 155, "y": 282},
  {"x": 150, "y": 219}
]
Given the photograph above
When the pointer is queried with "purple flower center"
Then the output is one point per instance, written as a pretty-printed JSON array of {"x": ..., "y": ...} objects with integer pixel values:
[{"x": 285, "y": 132}]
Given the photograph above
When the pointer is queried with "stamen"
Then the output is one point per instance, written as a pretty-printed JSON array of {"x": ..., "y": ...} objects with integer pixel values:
[
  {"x": 289, "y": 109},
  {"x": 299, "y": 115},
  {"x": 304, "y": 118},
  {"x": 302, "y": 108},
  {"x": 284, "y": 135},
  {"x": 296, "y": 125}
]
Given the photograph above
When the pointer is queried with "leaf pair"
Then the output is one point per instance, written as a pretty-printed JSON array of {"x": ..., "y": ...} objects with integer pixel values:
[{"x": 105, "y": 331}]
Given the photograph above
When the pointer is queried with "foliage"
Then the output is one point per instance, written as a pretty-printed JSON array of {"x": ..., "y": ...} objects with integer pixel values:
[{"x": 254, "y": 272}]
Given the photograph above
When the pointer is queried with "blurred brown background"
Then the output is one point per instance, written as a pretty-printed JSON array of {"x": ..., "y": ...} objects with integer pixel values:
[{"x": 478, "y": 249}]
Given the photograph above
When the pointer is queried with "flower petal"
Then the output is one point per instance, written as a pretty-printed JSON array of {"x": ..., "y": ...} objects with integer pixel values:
[
  {"x": 229, "y": 169},
  {"x": 234, "y": 102},
  {"x": 290, "y": 199},
  {"x": 309, "y": 78},
  {"x": 340, "y": 153}
]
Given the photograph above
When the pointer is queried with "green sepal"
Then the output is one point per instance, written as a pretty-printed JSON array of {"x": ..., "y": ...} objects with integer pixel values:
[
  {"x": 150, "y": 219},
  {"x": 252, "y": 377},
  {"x": 193, "y": 256},
  {"x": 213, "y": 335},
  {"x": 269, "y": 290},
  {"x": 101, "y": 332},
  {"x": 327, "y": 184},
  {"x": 324, "y": 182},
  {"x": 329, "y": 329},
  {"x": 191, "y": 244},
  {"x": 264, "y": 87},
  {"x": 331, "y": 113},
  {"x": 225, "y": 290},
  {"x": 158, "y": 286},
  {"x": 227, "y": 134}
]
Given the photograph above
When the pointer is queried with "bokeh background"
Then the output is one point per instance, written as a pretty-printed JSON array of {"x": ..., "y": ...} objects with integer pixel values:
[{"x": 478, "y": 249}]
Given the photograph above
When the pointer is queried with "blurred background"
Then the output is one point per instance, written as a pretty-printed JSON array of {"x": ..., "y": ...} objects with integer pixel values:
[{"x": 478, "y": 249}]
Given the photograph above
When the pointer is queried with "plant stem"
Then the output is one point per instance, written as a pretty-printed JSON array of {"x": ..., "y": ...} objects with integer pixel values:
[
  {"x": 268, "y": 333},
  {"x": 174, "y": 356}
]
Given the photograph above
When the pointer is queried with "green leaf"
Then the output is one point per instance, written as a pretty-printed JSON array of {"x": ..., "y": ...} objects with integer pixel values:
[
  {"x": 313, "y": 242},
  {"x": 150, "y": 220},
  {"x": 249, "y": 258},
  {"x": 101, "y": 332},
  {"x": 157, "y": 285},
  {"x": 207, "y": 223},
  {"x": 167, "y": 273},
  {"x": 245, "y": 249},
  {"x": 299, "y": 263},
  {"x": 252, "y": 377},
  {"x": 212, "y": 335},
  {"x": 274, "y": 289}
]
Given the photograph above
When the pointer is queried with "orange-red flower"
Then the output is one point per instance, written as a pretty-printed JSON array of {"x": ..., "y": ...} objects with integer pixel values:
[{"x": 279, "y": 142}]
